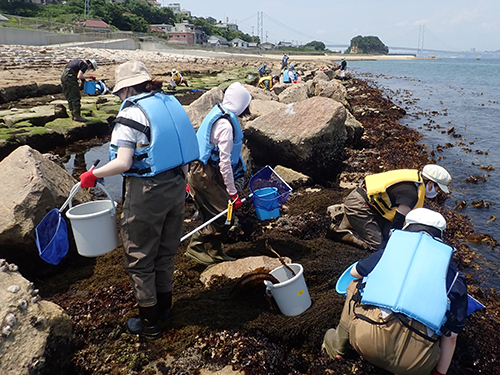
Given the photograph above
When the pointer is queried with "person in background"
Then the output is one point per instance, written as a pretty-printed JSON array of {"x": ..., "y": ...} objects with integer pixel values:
[
  {"x": 414, "y": 334},
  {"x": 152, "y": 142},
  {"x": 72, "y": 72},
  {"x": 343, "y": 68},
  {"x": 381, "y": 203},
  {"x": 289, "y": 75},
  {"x": 262, "y": 70},
  {"x": 220, "y": 173},
  {"x": 284, "y": 62},
  {"x": 268, "y": 82},
  {"x": 177, "y": 79}
]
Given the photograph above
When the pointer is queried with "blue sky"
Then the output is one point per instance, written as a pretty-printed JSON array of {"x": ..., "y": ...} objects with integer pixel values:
[{"x": 452, "y": 25}]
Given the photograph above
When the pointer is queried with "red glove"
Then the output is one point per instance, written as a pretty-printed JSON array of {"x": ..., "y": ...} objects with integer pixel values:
[
  {"x": 87, "y": 179},
  {"x": 236, "y": 201},
  {"x": 92, "y": 77},
  {"x": 434, "y": 372}
]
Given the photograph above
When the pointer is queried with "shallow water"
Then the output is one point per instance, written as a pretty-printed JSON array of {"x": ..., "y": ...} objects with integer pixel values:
[{"x": 461, "y": 95}]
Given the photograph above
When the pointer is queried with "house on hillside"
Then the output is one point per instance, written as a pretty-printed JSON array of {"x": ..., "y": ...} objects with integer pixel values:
[
  {"x": 95, "y": 25},
  {"x": 175, "y": 7},
  {"x": 285, "y": 44},
  {"x": 226, "y": 26},
  {"x": 267, "y": 45},
  {"x": 239, "y": 43},
  {"x": 217, "y": 41},
  {"x": 211, "y": 20},
  {"x": 163, "y": 27},
  {"x": 186, "y": 33}
]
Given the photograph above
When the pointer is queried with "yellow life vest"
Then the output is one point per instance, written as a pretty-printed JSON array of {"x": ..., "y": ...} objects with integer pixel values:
[
  {"x": 377, "y": 185},
  {"x": 267, "y": 78}
]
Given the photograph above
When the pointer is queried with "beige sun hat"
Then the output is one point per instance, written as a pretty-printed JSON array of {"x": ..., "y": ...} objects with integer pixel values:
[
  {"x": 437, "y": 174},
  {"x": 129, "y": 74}
]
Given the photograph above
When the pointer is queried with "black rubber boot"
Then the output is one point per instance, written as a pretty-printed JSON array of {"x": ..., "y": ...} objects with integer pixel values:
[
  {"x": 147, "y": 323},
  {"x": 164, "y": 305}
]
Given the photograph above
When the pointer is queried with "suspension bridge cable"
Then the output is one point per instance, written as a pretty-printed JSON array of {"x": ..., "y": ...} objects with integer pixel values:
[{"x": 437, "y": 39}]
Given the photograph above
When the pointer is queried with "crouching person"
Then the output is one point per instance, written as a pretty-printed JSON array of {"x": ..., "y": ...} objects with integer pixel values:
[{"x": 408, "y": 303}]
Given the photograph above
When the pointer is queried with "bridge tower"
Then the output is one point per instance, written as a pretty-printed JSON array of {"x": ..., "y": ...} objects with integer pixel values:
[
  {"x": 260, "y": 26},
  {"x": 421, "y": 32}
]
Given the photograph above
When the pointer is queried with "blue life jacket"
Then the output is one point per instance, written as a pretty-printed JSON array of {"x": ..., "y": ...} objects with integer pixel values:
[
  {"x": 209, "y": 152},
  {"x": 286, "y": 77},
  {"x": 262, "y": 68},
  {"x": 410, "y": 278},
  {"x": 171, "y": 135}
]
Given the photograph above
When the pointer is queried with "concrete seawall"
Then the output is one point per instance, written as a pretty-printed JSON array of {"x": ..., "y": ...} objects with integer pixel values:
[{"x": 25, "y": 37}]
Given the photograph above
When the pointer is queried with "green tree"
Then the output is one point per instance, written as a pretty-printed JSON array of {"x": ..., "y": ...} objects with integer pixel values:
[{"x": 318, "y": 46}]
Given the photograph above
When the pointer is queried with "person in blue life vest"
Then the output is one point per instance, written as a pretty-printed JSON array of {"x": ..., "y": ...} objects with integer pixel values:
[
  {"x": 151, "y": 144},
  {"x": 381, "y": 203},
  {"x": 290, "y": 75},
  {"x": 284, "y": 61},
  {"x": 219, "y": 174},
  {"x": 407, "y": 302},
  {"x": 262, "y": 70},
  {"x": 72, "y": 72}
]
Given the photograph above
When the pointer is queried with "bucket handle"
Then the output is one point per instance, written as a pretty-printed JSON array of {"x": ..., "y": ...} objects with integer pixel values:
[{"x": 75, "y": 189}]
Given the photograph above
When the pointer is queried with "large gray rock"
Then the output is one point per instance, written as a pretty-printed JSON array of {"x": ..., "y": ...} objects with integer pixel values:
[
  {"x": 260, "y": 107},
  {"x": 332, "y": 90},
  {"x": 32, "y": 185},
  {"x": 308, "y": 136},
  {"x": 200, "y": 108},
  {"x": 293, "y": 178},
  {"x": 260, "y": 94},
  {"x": 295, "y": 92},
  {"x": 34, "y": 334}
]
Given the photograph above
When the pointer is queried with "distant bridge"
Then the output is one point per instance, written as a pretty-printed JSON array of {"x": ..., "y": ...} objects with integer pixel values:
[{"x": 413, "y": 50}]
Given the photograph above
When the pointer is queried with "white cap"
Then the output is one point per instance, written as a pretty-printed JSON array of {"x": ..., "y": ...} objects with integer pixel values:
[
  {"x": 426, "y": 217},
  {"x": 437, "y": 174}
]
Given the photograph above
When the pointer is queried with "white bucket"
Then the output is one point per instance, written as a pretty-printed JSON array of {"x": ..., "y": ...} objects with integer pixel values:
[
  {"x": 290, "y": 294},
  {"x": 94, "y": 226}
]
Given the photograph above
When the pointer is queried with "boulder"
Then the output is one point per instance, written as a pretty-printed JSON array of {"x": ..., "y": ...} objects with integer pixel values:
[
  {"x": 280, "y": 87},
  {"x": 236, "y": 269},
  {"x": 261, "y": 94},
  {"x": 200, "y": 108},
  {"x": 293, "y": 178},
  {"x": 260, "y": 107},
  {"x": 294, "y": 93},
  {"x": 35, "y": 335},
  {"x": 308, "y": 136},
  {"x": 355, "y": 131},
  {"x": 332, "y": 90},
  {"x": 32, "y": 185}
]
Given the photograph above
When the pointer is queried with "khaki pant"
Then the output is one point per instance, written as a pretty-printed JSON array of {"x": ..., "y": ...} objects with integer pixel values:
[
  {"x": 153, "y": 213},
  {"x": 391, "y": 346},
  {"x": 367, "y": 225}
]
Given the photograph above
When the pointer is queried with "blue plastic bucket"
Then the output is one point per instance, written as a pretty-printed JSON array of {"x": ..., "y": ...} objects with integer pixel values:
[
  {"x": 89, "y": 87},
  {"x": 266, "y": 203},
  {"x": 344, "y": 280}
]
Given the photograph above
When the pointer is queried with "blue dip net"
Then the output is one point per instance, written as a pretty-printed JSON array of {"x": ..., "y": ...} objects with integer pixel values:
[
  {"x": 277, "y": 189},
  {"x": 52, "y": 237}
]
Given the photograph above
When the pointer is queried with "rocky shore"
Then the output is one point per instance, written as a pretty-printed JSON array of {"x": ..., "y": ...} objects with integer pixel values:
[{"x": 215, "y": 330}]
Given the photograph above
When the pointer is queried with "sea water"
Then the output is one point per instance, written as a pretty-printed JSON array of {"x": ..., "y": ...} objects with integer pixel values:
[{"x": 455, "y": 104}]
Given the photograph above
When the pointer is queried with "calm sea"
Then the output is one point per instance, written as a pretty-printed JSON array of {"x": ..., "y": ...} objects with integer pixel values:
[{"x": 455, "y": 104}]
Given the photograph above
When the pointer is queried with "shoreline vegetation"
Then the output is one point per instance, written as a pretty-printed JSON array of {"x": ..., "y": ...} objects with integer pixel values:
[{"x": 215, "y": 330}]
